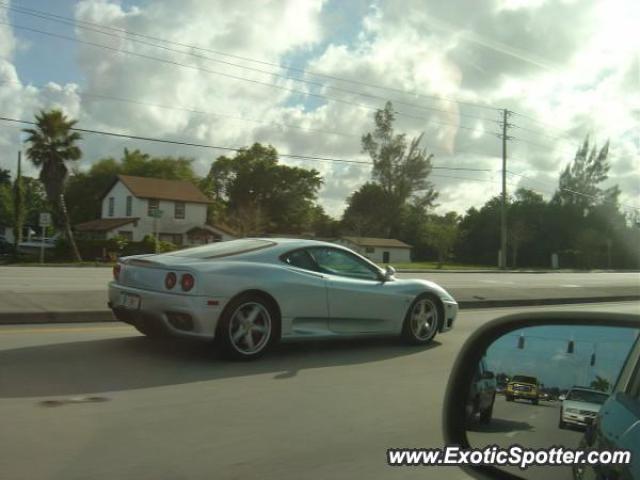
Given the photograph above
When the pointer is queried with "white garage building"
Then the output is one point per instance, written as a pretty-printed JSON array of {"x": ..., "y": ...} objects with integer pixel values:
[{"x": 379, "y": 250}]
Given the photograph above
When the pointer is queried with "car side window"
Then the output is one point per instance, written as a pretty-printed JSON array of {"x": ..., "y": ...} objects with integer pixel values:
[
  {"x": 301, "y": 259},
  {"x": 338, "y": 262}
]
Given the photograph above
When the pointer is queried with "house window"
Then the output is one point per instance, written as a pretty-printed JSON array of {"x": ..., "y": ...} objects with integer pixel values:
[
  {"x": 369, "y": 250},
  {"x": 112, "y": 202},
  {"x": 153, "y": 206},
  {"x": 129, "y": 203},
  {"x": 127, "y": 234},
  {"x": 179, "y": 210}
]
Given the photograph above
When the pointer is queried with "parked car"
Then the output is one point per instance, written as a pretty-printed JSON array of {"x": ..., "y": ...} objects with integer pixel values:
[
  {"x": 522, "y": 387},
  {"x": 580, "y": 406},
  {"x": 482, "y": 395},
  {"x": 250, "y": 293}
]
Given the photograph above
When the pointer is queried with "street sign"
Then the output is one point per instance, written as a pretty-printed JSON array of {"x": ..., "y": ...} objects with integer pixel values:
[{"x": 45, "y": 219}]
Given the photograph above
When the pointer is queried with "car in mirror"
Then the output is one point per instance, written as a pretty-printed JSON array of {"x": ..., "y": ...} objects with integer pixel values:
[{"x": 548, "y": 380}]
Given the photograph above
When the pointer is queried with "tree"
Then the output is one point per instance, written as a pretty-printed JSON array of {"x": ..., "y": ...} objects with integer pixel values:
[
  {"x": 259, "y": 193},
  {"x": 400, "y": 167},
  {"x": 52, "y": 144},
  {"x": 525, "y": 215},
  {"x": 600, "y": 383},
  {"x": 5, "y": 176},
  {"x": 579, "y": 183},
  {"x": 365, "y": 208},
  {"x": 442, "y": 233}
]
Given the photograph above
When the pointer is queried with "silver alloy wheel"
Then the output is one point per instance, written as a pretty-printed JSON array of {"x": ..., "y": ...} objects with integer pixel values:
[
  {"x": 424, "y": 319},
  {"x": 250, "y": 328}
]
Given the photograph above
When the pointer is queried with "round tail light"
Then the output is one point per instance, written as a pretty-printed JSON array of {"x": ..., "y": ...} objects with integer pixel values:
[
  {"x": 170, "y": 280},
  {"x": 116, "y": 271},
  {"x": 187, "y": 281}
]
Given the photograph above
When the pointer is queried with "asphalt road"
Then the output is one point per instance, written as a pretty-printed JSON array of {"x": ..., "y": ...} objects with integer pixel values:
[
  {"x": 60, "y": 289},
  {"x": 99, "y": 401},
  {"x": 531, "y": 426}
]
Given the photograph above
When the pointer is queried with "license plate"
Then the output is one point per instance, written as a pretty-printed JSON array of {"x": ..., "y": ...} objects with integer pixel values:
[{"x": 130, "y": 301}]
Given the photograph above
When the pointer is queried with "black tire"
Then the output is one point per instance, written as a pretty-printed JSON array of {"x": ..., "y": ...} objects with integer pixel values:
[
  {"x": 509, "y": 398},
  {"x": 561, "y": 424},
  {"x": 408, "y": 333},
  {"x": 230, "y": 325},
  {"x": 486, "y": 415}
]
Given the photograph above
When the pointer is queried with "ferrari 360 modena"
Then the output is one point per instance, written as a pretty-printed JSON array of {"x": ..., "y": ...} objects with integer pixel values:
[{"x": 250, "y": 293}]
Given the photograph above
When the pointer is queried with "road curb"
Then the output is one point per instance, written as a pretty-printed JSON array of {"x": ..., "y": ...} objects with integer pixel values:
[
  {"x": 78, "y": 316},
  {"x": 531, "y": 302},
  {"x": 92, "y": 316}
]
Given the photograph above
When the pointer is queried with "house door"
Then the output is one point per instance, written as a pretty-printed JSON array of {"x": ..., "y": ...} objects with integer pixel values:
[{"x": 385, "y": 257}]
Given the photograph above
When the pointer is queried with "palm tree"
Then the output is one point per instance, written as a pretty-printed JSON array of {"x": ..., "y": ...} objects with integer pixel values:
[
  {"x": 601, "y": 384},
  {"x": 52, "y": 144}
]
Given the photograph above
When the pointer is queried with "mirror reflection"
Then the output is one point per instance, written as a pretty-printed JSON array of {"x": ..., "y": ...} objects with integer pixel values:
[{"x": 547, "y": 386}]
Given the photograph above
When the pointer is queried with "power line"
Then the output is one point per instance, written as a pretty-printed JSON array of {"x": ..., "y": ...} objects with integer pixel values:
[
  {"x": 573, "y": 192},
  {"x": 274, "y": 125},
  {"x": 75, "y": 22},
  {"x": 227, "y": 75},
  {"x": 253, "y": 69},
  {"x": 99, "y": 96},
  {"x": 224, "y": 148}
]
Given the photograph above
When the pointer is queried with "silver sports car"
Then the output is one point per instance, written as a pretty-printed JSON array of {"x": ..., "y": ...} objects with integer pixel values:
[{"x": 250, "y": 293}]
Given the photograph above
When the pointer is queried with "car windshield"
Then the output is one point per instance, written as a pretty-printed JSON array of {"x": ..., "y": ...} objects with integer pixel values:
[
  {"x": 524, "y": 379},
  {"x": 224, "y": 249},
  {"x": 588, "y": 396}
]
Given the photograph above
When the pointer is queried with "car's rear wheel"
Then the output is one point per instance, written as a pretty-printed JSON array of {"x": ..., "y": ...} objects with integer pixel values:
[
  {"x": 247, "y": 327},
  {"x": 509, "y": 398},
  {"x": 422, "y": 321}
]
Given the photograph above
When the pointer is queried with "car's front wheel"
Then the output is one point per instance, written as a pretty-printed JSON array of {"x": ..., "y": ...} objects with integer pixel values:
[
  {"x": 247, "y": 327},
  {"x": 561, "y": 423},
  {"x": 422, "y": 320},
  {"x": 485, "y": 415}
]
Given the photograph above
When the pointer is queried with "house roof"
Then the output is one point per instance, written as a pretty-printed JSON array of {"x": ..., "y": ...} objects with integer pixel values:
[
  {"x": 104, "y": 224},
  {"x": 376, "y": 242},
  {"x": 224, "y": 228},
  {"x": 161, "y": 189}
]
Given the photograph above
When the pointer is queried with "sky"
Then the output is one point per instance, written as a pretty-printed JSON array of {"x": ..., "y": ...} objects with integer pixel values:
[
  {"x": 308, "y": 75},
  {"x": 545, "y": 354}
]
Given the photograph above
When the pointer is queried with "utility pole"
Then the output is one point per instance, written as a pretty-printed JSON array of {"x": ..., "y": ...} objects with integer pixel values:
[{"x": 503, "y": 209}]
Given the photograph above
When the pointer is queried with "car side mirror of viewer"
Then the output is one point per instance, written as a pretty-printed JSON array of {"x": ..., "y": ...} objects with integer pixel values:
[{"x": 530, "y": 358}]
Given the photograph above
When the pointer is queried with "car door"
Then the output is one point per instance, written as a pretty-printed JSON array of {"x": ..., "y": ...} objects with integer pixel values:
[
  {"x": 305, "y": 296},
  {"x": 359, "y": 300}
]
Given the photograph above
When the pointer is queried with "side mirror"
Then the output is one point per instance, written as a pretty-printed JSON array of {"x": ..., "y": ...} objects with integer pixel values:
[
  {"x": 518, "y": 417},
  {"x": 389, "y": 272}
]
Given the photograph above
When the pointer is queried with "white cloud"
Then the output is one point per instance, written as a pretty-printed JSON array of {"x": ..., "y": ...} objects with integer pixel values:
[{"x": 592, "y": 86}]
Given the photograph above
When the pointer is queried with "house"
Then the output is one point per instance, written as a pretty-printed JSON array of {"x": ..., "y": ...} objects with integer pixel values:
[
  {"x": 134, "y": 207},
  {"x": 381, "y": 250}
]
